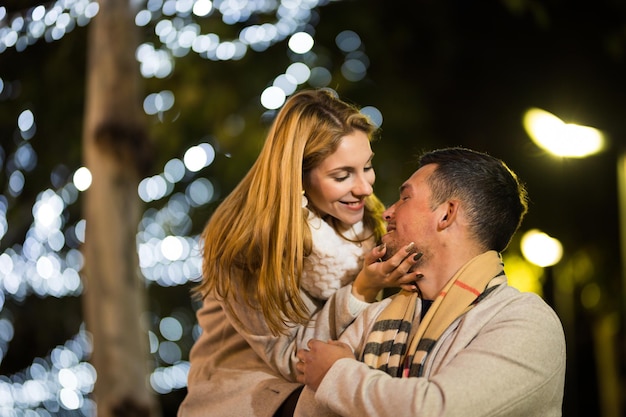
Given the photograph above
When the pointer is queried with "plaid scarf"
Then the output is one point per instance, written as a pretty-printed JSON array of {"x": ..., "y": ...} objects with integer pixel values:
[{"x": 386, "y": 347}]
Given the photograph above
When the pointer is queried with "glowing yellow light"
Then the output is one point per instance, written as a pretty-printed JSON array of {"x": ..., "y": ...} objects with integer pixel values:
[
  {"x": 560, "y": 138},
  {"x": 541, "y": 249},
  {"x": 522, "y": 274}
]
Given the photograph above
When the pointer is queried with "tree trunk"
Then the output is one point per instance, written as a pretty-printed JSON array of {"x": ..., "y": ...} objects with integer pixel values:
[{"x": 116, "y": 151}]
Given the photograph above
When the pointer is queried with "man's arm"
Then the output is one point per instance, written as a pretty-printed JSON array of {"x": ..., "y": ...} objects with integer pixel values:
[{"x": 506, "y": 359}]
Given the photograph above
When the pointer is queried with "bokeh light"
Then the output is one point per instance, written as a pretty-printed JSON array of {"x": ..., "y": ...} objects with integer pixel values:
[
  {"x": 301, "y": 42},
  {"x": 82, "y": 179},
  {"x": 273, "y": 98},
  {"x": 540, "y": 248},
  {"x": 375, "y": 115},
  {"x": 560, "y": 138}
]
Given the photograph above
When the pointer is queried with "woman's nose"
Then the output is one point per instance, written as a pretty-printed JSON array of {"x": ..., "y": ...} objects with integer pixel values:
[{"x": 363, "y": 187}]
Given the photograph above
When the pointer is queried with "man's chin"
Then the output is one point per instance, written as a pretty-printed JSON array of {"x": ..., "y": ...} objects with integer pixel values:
[{"x": 391, "y": 245}]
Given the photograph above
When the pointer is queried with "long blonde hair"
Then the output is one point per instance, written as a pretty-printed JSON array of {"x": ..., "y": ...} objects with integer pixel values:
[{"x": 257, "y": 239}]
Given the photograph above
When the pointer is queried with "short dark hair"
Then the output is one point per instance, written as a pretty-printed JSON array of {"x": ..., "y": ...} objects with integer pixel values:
[{"x": 495, "y": 200}]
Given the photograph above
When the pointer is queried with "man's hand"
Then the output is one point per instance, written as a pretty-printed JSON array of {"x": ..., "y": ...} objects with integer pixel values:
[{"x": 315, "y": 362}]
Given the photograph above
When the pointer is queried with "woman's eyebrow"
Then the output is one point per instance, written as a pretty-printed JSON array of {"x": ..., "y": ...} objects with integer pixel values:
[
  {"x": 349, "y": 168},
  {"x": 344, "y": 168}
]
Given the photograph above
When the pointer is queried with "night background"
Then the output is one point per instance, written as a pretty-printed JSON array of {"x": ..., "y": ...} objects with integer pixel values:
[{"x": 441, "y": 73}]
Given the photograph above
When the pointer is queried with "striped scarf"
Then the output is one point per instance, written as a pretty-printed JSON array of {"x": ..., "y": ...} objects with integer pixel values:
[{"x": 386, "y": 347}]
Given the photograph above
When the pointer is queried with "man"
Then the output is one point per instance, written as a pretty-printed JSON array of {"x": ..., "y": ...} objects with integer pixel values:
[{"x": 465, "y": 344}]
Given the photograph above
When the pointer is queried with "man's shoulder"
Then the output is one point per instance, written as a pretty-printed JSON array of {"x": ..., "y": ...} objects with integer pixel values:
[{"x": 508, "y": 301}]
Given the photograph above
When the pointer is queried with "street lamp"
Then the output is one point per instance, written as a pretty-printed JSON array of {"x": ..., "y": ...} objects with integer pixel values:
[
  {"x": 570, "y": 140},
  {"x": 562, "y": 139},
  {"x": 574, "y": 141}
]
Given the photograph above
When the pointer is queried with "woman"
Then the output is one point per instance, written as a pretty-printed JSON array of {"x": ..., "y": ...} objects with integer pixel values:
[{"x": 280, "y": 256}]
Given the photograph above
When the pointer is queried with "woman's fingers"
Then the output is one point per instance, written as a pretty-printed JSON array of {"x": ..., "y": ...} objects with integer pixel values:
[
  {"x": 403, "y": 275},
  {"x": 397, "y": 271},
  {"x": 402, "y": 260},
  {"x": 376, "y": 254}
]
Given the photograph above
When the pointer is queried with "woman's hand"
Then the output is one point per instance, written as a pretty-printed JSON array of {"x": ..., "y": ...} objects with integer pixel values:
[{"x": 376, "y": 274}]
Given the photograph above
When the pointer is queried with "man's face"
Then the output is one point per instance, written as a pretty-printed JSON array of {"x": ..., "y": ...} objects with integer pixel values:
[{"x": 411, "y": 218}]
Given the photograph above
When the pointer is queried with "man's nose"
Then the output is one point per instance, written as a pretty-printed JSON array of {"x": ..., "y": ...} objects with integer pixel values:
[{"x": 387, "y": 214}]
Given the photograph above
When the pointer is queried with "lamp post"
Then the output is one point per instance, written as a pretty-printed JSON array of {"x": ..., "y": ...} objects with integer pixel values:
[
  {"x": 621, "y": 201},
  {"x": 574, "y": 141}
]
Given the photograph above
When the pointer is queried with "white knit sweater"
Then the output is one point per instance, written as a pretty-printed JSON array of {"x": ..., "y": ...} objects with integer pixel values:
[{"x": 334, "y": 261}]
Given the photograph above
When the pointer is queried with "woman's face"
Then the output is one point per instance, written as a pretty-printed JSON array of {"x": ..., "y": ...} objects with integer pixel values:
[{"x": 339, "y": 185}]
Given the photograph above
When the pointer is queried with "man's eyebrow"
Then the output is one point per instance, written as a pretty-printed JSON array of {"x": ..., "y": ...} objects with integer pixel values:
[{"x": 404, "y": 187}]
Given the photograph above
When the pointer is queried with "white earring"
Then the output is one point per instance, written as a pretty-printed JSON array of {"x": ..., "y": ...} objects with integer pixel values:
[{"x": 305, "y": 201}]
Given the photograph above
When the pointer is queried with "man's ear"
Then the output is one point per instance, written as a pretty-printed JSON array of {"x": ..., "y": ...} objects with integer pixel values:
[{"x": 450, "y": 209}]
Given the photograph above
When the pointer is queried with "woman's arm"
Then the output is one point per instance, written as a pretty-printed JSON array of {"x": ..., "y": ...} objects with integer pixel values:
[{"x": 327, "y": 320}]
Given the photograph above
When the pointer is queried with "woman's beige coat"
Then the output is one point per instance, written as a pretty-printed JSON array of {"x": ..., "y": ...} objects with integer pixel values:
[{"x": 245, "y": 372}]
